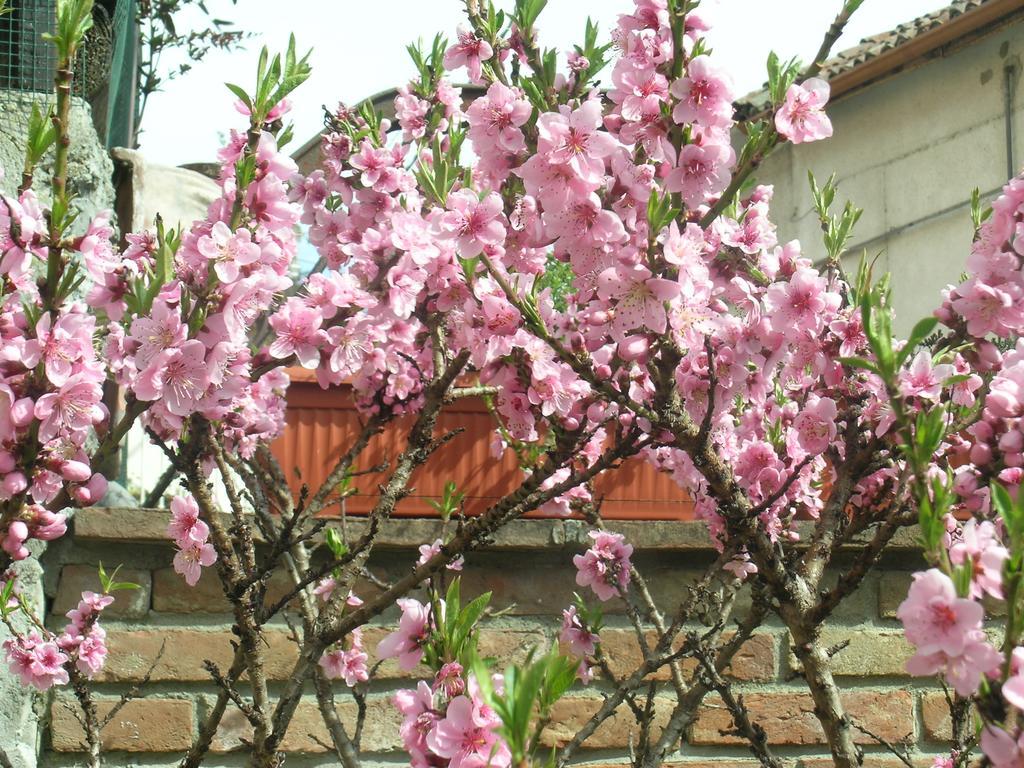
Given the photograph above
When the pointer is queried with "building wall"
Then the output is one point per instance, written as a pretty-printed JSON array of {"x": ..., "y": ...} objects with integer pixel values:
[
  {"x": 909, "y": 150},
  {"x": 529, "y": 569}
]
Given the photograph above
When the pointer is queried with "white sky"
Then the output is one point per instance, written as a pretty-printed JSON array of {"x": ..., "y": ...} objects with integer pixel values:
[{"x": 359, "y": 49}]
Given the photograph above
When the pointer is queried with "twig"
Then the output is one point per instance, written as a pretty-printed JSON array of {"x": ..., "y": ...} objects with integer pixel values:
[
  {"x": 135, "y": 690},
  {"x": 157, "y": 491},
  {"x": 902, "y": 754}
]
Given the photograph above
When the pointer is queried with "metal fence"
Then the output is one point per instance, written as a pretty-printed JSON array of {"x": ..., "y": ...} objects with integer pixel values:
[{"x": 105, "y": 73}]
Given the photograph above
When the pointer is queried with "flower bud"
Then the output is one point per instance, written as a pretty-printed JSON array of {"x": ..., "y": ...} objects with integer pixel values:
[
  {"x": 22, "y": 412},
  {"x": 75, "y": 471}
]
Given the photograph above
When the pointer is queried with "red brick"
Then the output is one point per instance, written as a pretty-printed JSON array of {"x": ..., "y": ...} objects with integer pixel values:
[
  {"x": 172, "y": 595},
  {"x": 308, "y": 734},
  {"x": 788, "y": 718},
  {"x": 938, "y": 723},
  {"x": 142, "y": 725},
  {"x": 756, "y": 661},
  {"x": 132, "y": 652},
  {"x": 571, "y": 713}
]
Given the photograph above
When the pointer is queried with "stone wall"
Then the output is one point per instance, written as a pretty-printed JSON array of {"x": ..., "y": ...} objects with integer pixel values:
[
  {"x": 90, "y": 170},
  {"x": 530, "y": 572}
]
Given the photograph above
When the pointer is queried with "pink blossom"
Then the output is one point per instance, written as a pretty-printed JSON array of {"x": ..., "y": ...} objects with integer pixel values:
[
  {"x": 470, "y": 51},
  {"x": 582, "y": 221},
  {"x": 815, "y": 424},
  {"x": 581, "y": 641},
  {"x": 89, "y": 607},
  {"x": 177, "y": 376},
  {"x": 74, "y": 407},
  {"x": 571, "y": 137},
  {"x": 605, "y": 566},
  {"x": 185, "y": 527},
  {"x": 428, "y": 551},
  {"x": 449, "y": 680},
  {"x": 638, "y": 298},
  {"x": 192, "y": 558},
  {"x": 298, "y": 333},
  {"x": 37, "y": 662},
  {"x": 419, "y": 719},
  {"x": 1013, "y": 688},
  {"x": 705, "y": 94},
  {"x": 14, "y": 539},
  {"x": 980, "y": 548},
  {"x": 638, "y": 91},
  {"x": 934, "y": 618},
  {"x": 348, "y": 665},
  {"x": 467, "y": 738},
  {"x": 500, "y": 317},
  {"x": 228, "y": 250},
  {"x": 60, "y": 345},
  {"x": 406, "y": 643},
  {"x": 803, "y": 303},
  {"x": 1002, "y": 749},
  {"x": 496, "y": 120},
  {"x": 802, "y": 117},
  {"x": 922, "y": 379},
  {"x": 325, "y": 588},
  {"x": 702, "y": 172},
  {"x": 473, "y": 222},
  {"x": 988, "y": 308}
]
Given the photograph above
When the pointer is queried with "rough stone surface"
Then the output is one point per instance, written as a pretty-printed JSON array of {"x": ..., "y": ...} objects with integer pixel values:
[
  {"x": 172, "y": 595},
  {"x": 21, "y": 706},
  {"x": 308, "y": 734},
  {"x": 133, "y": 653},
  {"x": 529, "y": 572},
  {"x": 870, "y": 761},
  {"x": 868, "y": 652},
  {"x": 142, "y": 725},
  {"x": 938, "y": 724},
  {"x": 754, "y": 662},
  {"x": 90, "y": 169},
  {"x": 892, "y": 590},
  {"x": 572, "y": 712}
]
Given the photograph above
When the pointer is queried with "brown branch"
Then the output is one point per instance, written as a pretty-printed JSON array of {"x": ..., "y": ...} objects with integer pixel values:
[
  {"x": 751, "y": 731},
  {"x": 90, "y": 719},
  {"x": 208, "y": 729},
  {"x": 420, "y": 445},
  {"x": 228, "y": 687},
  {"x": 344, "y": 748},
  {"x": 162, "y": 484}
]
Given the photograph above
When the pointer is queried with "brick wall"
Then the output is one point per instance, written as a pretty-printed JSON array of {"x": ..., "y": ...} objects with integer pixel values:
[{"x": 530, "y": 572}]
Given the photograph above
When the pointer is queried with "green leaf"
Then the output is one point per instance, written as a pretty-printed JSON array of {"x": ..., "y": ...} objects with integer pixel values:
[
  {"x": 859, "y": 362},
  {"x": 919, "y": 333},
  {"x": 239, "y": 91},
  {"x": 334, "y": 542},
  {"x": 6, "y": 593}
]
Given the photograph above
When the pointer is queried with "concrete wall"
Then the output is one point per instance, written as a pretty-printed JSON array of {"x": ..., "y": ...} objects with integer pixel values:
[{"x": 909, "y": 150}]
